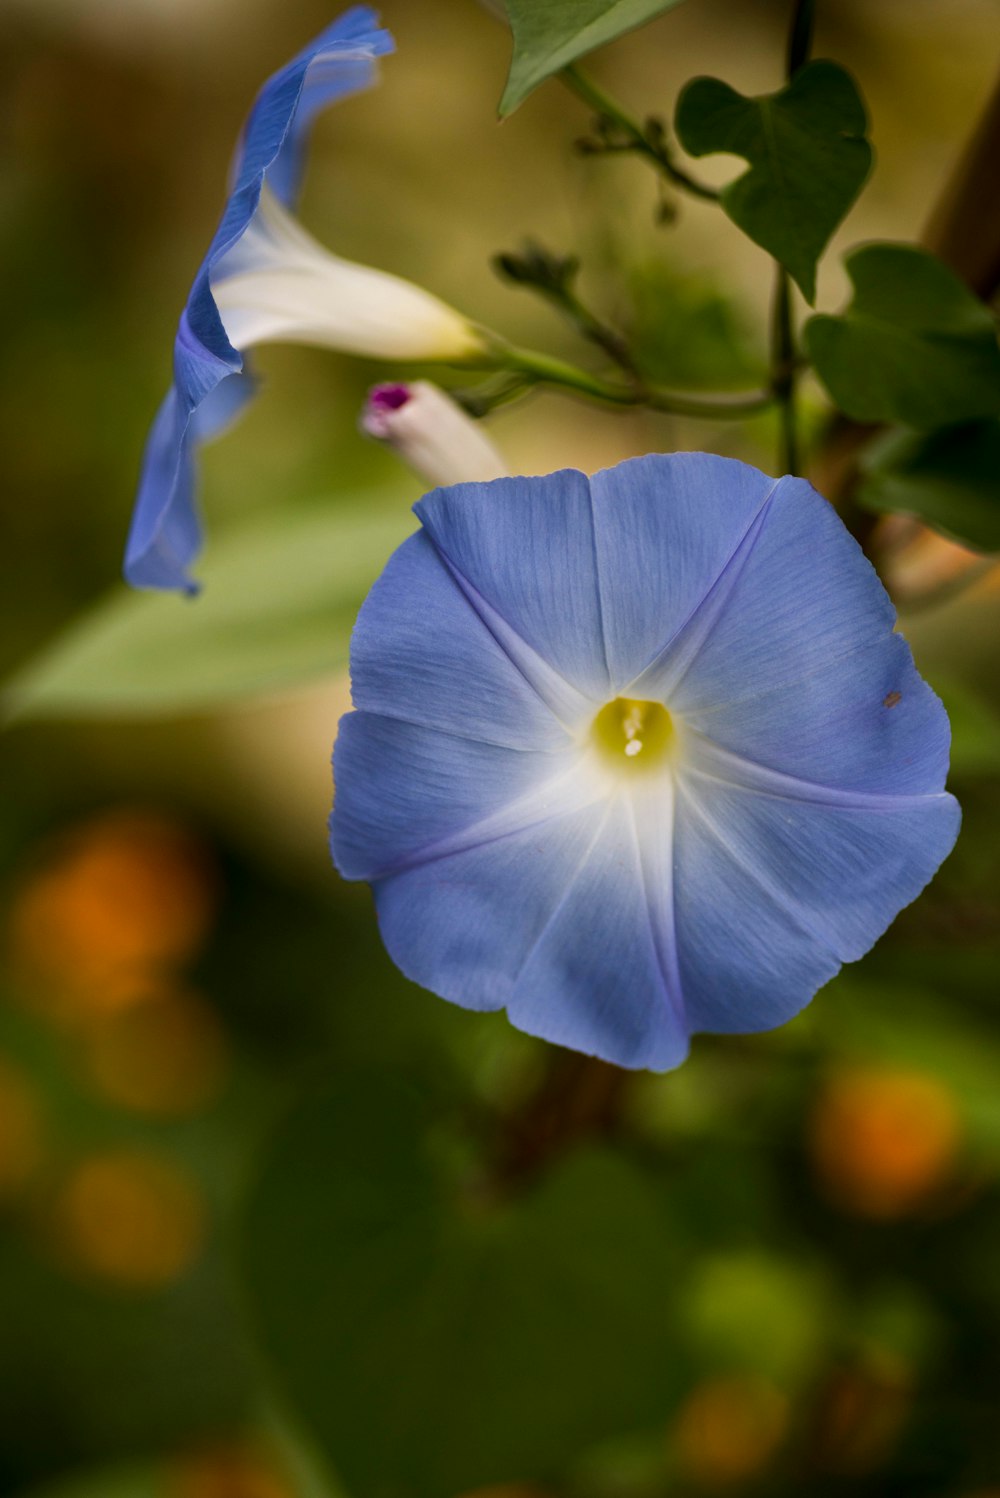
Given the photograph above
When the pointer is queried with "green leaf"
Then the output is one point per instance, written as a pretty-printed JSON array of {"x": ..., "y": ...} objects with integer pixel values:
[
  {"x": 807, "y": 152},
  {"x": 914, "y": 346},
  {"x": 436, "y": 1343},
  {"x": 949, "y": 478},
  {"x": 975, "y": 729},
  {"x": 280, "y": 598},
  {"x": 550, "y": 34}
]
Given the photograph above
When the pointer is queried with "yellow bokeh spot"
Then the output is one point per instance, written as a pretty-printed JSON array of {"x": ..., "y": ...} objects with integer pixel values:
[
  {"x": 633, "y": 735},
  {"x": 129, "y": 1217},
  {"x": 164, "y": 1055},
  {"x": 20, "y": 1129},
  {"x": 729, "y": 1428},
  {"x": 881, "y": 1140}
]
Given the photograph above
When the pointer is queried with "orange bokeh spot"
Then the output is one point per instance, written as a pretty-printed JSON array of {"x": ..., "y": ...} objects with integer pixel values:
[
  {"x": 129, "y": 1217},
  {"x": 20, "y": 1129},
  {"x": 729, "y": 1428},
  {"x": 505, "y": 1490},
  {"x": 166, "y": 1054},
  {"x": 123, "y": 894},
  {"x": 881, "y": 1140},
  {"x": 226, "y": 1472}
]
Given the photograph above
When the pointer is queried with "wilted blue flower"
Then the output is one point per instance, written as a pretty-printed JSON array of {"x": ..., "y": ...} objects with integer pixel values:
[
  {"x": 265, "y": 278},
  {"x": 636, "y": 756}
]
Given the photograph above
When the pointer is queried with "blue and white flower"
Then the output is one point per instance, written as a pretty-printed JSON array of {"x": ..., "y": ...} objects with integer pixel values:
[
  {"x": 638, "y": 755},
  {"x": 264, "y": 278}
]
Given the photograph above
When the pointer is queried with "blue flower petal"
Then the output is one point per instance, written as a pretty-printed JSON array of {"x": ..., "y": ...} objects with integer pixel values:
[
  {"x": 462, "y": 924},
  {"x": 791, "y": 660},
  {"x": 602, "y": 976},
  {"x": 409, "y": 794},
  {"x": 779, "y": 882},
  {"x": 667, "y": 527},
  {"x": 579, "y": 962},
  {"x": 421, "y": 652},
  {"x": 165, "y": 536},
  {"x": 525, "y": 548}
]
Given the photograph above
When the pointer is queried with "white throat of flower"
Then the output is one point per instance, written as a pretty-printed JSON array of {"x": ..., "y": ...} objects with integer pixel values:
[{"x": 277, "y": 283}]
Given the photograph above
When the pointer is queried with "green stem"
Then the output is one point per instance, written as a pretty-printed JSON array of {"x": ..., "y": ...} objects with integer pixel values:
[
  {"x": 783, "y": 369},
  {"x": 587, "y": 90},
  {"x": 542, "y": 369},
  {"x": 783, "y": 352},
  {"x": 800, "y": 37}
]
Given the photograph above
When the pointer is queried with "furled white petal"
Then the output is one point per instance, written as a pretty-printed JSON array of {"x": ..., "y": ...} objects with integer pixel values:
[
  {"x": 279, "y": 284},
  {"x": 431, "y": 433}
]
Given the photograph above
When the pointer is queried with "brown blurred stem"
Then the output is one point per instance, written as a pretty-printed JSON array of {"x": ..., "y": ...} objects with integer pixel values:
[
  {"x": 963, "y": 229},
  {"x": 579, "y": 1098}
]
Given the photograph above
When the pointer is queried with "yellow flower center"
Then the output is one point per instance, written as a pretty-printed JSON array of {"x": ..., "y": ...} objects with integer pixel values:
[{"x": 634, "y": 735}]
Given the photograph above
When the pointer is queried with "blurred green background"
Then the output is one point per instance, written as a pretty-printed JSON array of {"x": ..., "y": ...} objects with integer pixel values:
[{"x": 273, "y": 1222}]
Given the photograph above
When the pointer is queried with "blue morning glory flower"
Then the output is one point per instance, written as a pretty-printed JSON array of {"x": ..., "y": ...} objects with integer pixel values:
[
  {"x": 209, "y": 383},
  {"x": 636, "y": 756},
  {"x": 265, "y": 278}
]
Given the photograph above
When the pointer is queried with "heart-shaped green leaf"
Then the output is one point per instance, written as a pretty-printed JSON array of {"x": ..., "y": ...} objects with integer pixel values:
[
  {"x": 550, "y": 34},
  {"x": 949, "y": 478},
  {"x": 441, "y": 1341},
  {"x": 914, "y": 346},
  {"x": 281, "y": 595},
  {"x": 807, "y": 152}
]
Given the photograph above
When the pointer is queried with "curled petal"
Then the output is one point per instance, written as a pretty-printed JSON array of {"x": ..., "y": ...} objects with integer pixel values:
[{"x": 165, "y": 534}]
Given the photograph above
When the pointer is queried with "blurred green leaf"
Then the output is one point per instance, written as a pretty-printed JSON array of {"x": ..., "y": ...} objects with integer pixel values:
[
  {"x": 550, "y": 34},
  {"x": 438, "y": 1341},
  {"x": 281, "y": 595},
  {"x": 950, "y": 478},
  {"x": 127, "y": 1482},
  {"x": 975, "y": 729},
  {"x": 687, "y": 333},
  {"x": 807, "y": 152},
  {"x": 88, "y": 1374},
  {"x": 914, "y": 346},
  {"x": 753, "y": 1312}
]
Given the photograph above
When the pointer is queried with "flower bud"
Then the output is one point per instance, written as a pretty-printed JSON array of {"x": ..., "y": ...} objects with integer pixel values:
[{"x": 431, "y": 433}]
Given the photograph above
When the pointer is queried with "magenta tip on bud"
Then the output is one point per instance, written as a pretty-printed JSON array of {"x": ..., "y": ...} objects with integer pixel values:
[{"x": 382, "y": 401}]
